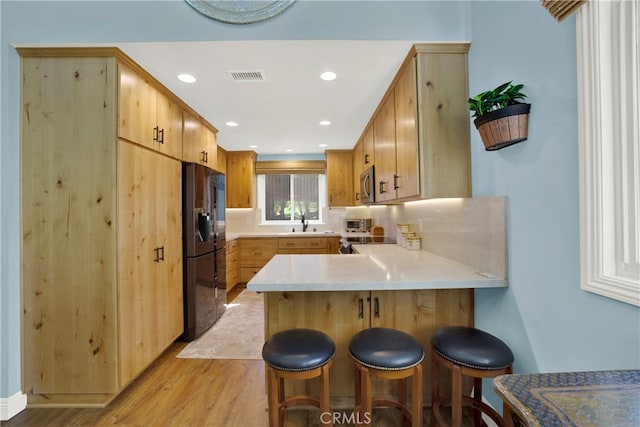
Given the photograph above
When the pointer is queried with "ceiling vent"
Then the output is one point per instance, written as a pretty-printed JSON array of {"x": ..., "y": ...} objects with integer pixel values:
[{"x": 247, "y": 76}]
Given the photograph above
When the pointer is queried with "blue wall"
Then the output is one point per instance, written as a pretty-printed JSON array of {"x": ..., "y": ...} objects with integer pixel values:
[{"x": 548, "y": 321}]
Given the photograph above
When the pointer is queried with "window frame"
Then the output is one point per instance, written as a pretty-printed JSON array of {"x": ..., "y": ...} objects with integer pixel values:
[{"x": 608, "y": 148}]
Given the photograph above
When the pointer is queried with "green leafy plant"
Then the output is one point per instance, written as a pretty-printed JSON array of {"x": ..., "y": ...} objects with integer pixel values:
[{"x": 500, "y": 97}]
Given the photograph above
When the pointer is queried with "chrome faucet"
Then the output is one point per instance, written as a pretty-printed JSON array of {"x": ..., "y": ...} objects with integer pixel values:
[{"x": 305, "y": 224}]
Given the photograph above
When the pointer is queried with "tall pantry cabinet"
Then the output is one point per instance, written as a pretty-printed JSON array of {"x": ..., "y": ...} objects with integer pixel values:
[{"x": 101, "y": 227}]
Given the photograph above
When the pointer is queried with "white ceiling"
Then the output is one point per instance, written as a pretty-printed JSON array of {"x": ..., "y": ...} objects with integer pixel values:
[{"x": 282, "y": 112}]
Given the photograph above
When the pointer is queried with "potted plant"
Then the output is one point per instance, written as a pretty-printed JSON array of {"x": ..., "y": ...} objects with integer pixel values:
[{"x": 501, "y": 117}]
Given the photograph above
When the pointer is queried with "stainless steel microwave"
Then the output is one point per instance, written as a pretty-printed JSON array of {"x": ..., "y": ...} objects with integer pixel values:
[
  {"x": 367, "y": 186},
  {"x": 358, "y": 224}
]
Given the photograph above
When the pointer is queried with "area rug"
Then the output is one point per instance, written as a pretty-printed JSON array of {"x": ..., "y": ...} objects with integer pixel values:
[{"x": 238, "y": 334}]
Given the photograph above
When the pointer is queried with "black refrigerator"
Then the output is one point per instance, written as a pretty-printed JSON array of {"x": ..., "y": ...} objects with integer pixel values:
[{"x": 203, "y": 196}]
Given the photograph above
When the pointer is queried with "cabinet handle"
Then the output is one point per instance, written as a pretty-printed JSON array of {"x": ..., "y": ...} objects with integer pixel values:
[
  {"x": 376, "y": 307},
  {"x": 159, "y": 254},
  {"x": 205, "y": 157},
  {"x": 155, "y": 133},
  {"x": 366, "y": 159},
  {"x": 382, "y": 187},
  {"x": 360, "y": 308},
  {"x": 161, "y": 136},
  {"x": 395, "y": 181},
  {"x": 290, "y": 243},
  {"x": 357, "y": 196}
]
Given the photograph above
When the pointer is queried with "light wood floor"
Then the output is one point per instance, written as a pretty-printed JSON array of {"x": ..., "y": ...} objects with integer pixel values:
[{"x": 187, "y": 392}]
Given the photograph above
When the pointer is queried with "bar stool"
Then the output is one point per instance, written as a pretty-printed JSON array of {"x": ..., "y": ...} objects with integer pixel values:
[
  {"x": 390, "y": 354},
  {"x": 471, "y": 352},
  {"x": 297, "y": 354}
]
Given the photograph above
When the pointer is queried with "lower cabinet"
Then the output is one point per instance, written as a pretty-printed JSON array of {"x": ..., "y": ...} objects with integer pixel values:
[
  {"x": 233, "y": 265},
  {"x": 341, "y": 314},
  {"x": 256, "y": 252}
]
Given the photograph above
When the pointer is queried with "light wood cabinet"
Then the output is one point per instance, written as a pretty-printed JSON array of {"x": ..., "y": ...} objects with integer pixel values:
[
  {"x": 150, "y": 256},
  {"x": 342, "y": 314},
  {"x": 222, "y": 160},
  {"x": 146, "y": 116},
  {"x": 368, "y": 152},
  {"x": 357, "y": 170},
  {"x": 302, "y": 245},
  {"x": 199, "y": 142},
  {"x": 421, "y": 127},
  {"x": 339, "y": 172},
  {"x": 254, "y": 254},
  {"x": 384, "y": 139},
  {"x": 102, "y": 232},
  {"x": 233, "y": 263},
  {"x": 241, "y": 179}
]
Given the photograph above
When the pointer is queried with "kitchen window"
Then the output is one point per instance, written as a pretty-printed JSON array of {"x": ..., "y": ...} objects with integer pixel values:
[
  {"x": 608, "y": 116},
  {"x": 284, "y": 198}
]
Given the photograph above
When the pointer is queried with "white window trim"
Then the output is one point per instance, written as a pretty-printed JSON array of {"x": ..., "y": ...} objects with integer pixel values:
[
  {"x": 608, "y": 118},
  {"x": 322, "y": 200}
]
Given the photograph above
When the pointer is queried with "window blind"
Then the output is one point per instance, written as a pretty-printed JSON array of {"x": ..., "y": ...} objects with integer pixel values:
[{"x": 561, "y": 9}]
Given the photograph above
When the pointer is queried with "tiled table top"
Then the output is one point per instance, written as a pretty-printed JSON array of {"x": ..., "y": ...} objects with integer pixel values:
[{"x": 597, "y": 398}]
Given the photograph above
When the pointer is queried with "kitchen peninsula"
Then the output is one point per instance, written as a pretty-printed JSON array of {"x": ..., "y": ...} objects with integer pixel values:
[{"x": 382, "y": 285}]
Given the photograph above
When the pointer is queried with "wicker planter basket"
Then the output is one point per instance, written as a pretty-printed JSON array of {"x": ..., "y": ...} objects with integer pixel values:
[{"x": 504, "y": 127}]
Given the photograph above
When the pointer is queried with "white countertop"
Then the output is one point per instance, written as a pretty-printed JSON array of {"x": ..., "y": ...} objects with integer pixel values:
[
  {"x": 376, "y": 267},
  {"x": 249, "y": 234}
]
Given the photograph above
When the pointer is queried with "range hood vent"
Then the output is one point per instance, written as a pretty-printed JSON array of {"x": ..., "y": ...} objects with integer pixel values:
[{"x": 246, "y": 75}]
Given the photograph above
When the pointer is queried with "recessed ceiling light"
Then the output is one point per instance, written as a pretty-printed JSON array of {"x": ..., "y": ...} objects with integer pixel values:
[
  {"x": 328, "y": 76},
  {"x": 325, "y": 123},
  {"x": 322, "y": 145},
  {"x": 231, "y": 124},
  {"x": 253, "y": 146},
  {"x": 289, "y": 150},
  {"x": 187, "y": 78}
]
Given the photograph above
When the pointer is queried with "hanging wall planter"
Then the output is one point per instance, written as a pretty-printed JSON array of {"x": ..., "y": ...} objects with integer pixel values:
[{"x": 501, "y": 119}]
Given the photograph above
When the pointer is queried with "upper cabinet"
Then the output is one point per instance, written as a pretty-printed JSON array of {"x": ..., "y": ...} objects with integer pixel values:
[
  {"x": 339, "y": 173},
  {"x": 241, "y": 179},
  {"x": 198, "y": 142},
  {"x": 420, "y": 130},
  {"x": 148, "y": 117}
]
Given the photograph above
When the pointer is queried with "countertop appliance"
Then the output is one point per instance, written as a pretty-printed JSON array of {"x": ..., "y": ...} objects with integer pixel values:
[
  {"x": 358, "y": 224},
  {"x": 367, "y": 186},
  {"x": 346, "y": 243},
  {"x": 203, "y": 215}
]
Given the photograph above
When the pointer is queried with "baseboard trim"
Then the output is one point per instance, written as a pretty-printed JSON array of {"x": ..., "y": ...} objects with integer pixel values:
[{"x": 10, "y": 406}]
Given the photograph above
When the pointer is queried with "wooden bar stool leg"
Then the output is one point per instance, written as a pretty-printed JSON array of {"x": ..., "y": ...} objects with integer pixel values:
[
  {"x": 366, "y": 405},
  {"x": 477, "y": 396},
  {"x": 402, "y": 398},
  {"x": 435, "y": 390},
  {"x": 456, "y": 396},
  {"x": 416, "y": 396},
  {"x": 325, "y": 407},
  {"x": 274, "y": 405}
]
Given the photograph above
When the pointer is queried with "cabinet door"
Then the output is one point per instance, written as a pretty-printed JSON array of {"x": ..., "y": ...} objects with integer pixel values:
[
  {"x": 357, "y": 170},
  {"x": 419, "y": 313},
  {"x": 338, "y": 314},
  {"x": 137, "y": 108},
  {"x": 241, "y": 179},
  {"x": 192, "y": 139},
  {"x": 407, "y": 154},
  {"x": 169, "y": 292},
  {"x": 368, "y": 151},
  {"x": 221, "y": 160},
  {"x": 339, "y": 177},
  {"x": 384, "y": 136},
  {"x": 137, "y": 272},
  {"x": 169, "y": 127},
  {"x": 210, "y": 148}
]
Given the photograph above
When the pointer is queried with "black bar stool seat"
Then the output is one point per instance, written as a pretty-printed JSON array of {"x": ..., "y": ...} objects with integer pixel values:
[
  {"x": 297, "y": 354},
  {"x": 470, "y": 352},
  {"x": 390, "y": 354}
]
